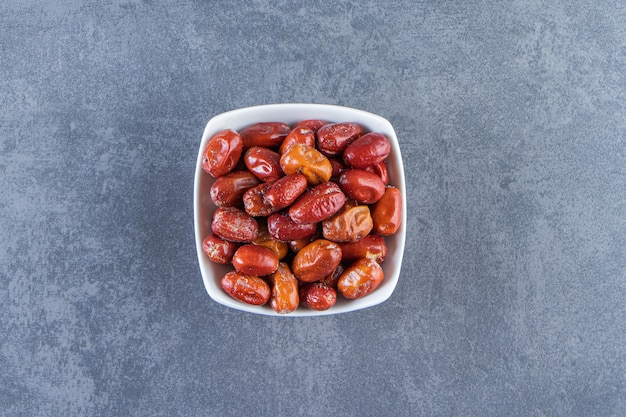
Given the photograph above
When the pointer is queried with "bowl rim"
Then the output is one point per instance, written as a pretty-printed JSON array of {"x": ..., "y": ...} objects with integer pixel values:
[{"x": 291, "y": 113}]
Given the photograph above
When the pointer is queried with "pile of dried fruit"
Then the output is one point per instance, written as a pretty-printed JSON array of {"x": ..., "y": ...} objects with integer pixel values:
[{"x": 302, "y": 212}]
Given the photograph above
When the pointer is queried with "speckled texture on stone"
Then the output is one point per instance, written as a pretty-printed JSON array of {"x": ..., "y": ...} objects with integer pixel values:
[{"x": 511, "y": 118}]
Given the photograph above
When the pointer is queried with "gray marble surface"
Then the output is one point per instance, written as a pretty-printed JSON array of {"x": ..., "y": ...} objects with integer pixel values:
[{"x": 511, "y": 118}]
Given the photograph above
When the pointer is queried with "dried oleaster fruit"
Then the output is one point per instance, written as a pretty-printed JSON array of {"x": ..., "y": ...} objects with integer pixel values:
[
  {"x": 316, "y": 260},
  {"x": 349, "y": 225},
  {"x": 361, "y": 278},
  {"x": 248, "y": 289},
  {"x": 367, "y": 150},
  {"x": 317, "y": 204},
  {"x": 387, "y": 212},
  {"x": 254, "y": 260},
  {"x": 317, "y": 296},
  {"x": 308, "y": 161},
  {"x": 222, "y": 153},
  {"x": 233, "y": 224},
  {"x": 285, "y": 296}
]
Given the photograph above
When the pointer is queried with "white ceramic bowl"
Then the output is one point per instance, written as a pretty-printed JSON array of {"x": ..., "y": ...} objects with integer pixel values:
[{"x": 212, "y": 273}]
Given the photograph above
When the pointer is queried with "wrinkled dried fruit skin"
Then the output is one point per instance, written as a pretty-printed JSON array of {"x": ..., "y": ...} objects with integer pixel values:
[
  {"x": 219, "y": 250},
  {"x": 265, "y": 240},
  {"x": 387, "y": 212},
  {"x": 222, "y": 153},
  {"x": 372, "y": 246},
  {"x": 263, "y": 163},
  {"x": 381, "y": 170},
  {"x": 266, "y": 134},
  {"x": 316, "y": 260},
  {"x": 363, "y": 186},
  {"x": 361, "y": 278},
  {"x": 286, "y": 190},
  {"x": 313, "y": 124},
  {"x": 228, "y": 190},
  {"x": 251, "y": 259},
  {"x": 285, "y": 296},
  {"x": 302, "y": 135},
  {"x": 308, "y": 161},
  {"x": 233, "y": 224},
  {"x": 254, "y": 201},
  {"x": 318, "y": 296},
  {"x": 332, "y": 139},
  {"x": 349, "y": 225},
  {"x": 318, "y": 203},
  {"x": 282, "y": 227},
  {"x": 367, "y": 150},
  {"x": 248, "y": 289}
]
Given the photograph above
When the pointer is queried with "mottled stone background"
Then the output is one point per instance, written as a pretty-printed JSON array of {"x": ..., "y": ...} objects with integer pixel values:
[{"x": 511, "y": 118}]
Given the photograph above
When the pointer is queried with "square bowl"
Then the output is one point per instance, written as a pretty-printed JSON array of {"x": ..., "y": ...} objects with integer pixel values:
[{"x": 291, "y": 113}]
